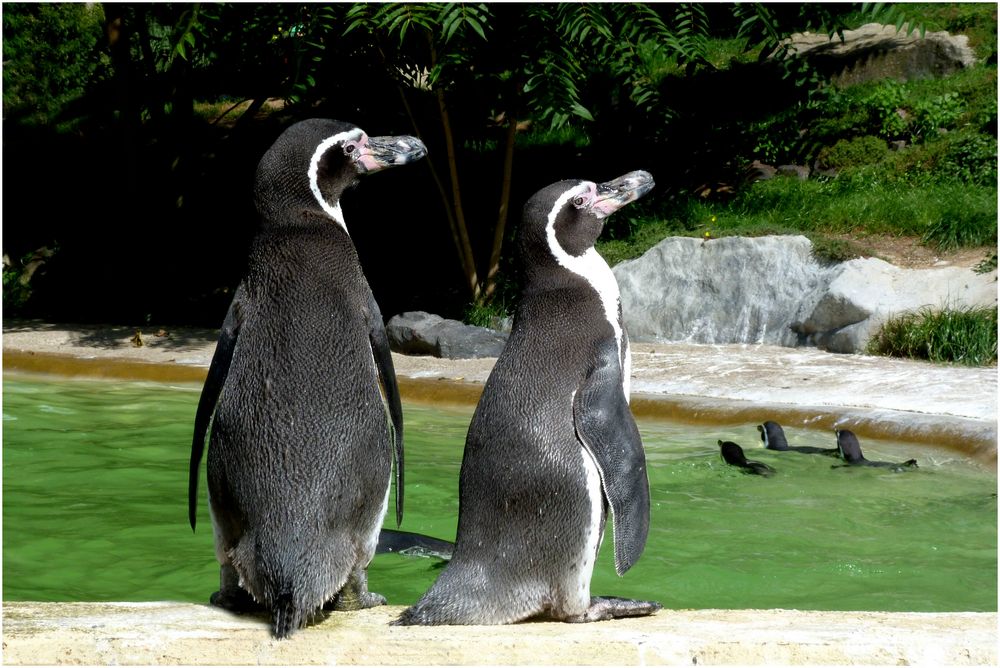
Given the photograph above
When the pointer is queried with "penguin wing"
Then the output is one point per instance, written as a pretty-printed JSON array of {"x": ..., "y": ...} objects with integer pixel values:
[
  {"x": 217, "y": 372},
  {"x": 390, "y": 390},
  {"x": 605, "y": 426}
]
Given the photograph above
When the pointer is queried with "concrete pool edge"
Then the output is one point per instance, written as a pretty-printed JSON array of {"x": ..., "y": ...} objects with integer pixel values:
[
  {"x": 976, "y": 438},
  {"x": 167, "y": 633}
]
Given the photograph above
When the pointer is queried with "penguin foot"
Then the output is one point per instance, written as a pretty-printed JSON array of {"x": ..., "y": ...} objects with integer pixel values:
[
  {"x": 235, "y": 600},
  {"x": 611, "y": 607},
  {"x": 344, "y": 602},
  {"x": 354, "y": 595}
]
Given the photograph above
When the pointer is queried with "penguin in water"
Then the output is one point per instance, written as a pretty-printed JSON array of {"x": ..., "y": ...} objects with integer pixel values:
[
  {"x": 773, "y": 437},
  {"x": 850, "y": 450},
  {"x": 733, "y": 455},
  {"x": 552, "y": 446},
  {"x": 301, "y": 394},
  {"x": 413, "y": 545}
]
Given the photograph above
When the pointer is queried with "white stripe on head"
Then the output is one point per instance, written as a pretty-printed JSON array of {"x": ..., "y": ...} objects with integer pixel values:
[
  {"x": 333, "y": 210},
  {"x": 593, "y": 269}
]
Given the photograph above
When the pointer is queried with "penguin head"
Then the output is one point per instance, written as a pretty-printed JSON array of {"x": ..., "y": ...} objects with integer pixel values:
[
  {"x": 848, "y": 446},
  {"x": 562, "y": 221},
  {"x": 314, "y": 161}
]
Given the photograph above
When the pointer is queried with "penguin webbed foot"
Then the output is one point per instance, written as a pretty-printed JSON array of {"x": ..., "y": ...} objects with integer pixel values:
[
  {"x": 611, "y": 607},
  {"x": 354, "y": 595},
  {"x": 236, "y": 600}
]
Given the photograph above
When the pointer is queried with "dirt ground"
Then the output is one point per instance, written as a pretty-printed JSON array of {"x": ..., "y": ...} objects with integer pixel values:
[{"x": 909, "y": 253}]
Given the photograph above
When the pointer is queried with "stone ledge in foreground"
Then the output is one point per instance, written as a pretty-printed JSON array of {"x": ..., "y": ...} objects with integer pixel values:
[{"x": 184, "y": 633}]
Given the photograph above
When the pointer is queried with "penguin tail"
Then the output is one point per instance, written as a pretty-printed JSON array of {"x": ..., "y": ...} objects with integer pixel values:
[{"x": 286, "y": 616}]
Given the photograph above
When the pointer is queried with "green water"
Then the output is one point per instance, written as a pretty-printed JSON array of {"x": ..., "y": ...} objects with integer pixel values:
[{"x": 95, "y": 489}]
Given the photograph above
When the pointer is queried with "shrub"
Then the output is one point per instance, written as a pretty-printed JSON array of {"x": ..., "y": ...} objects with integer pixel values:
[
  {"x": 848, "y": 153},
  {"x": 883, "y": 105},
  {"x": 935, "y": 114},
  {"x": 486, "y": 315},
  {"x": 963, "y": 336},
  {"x": 970, "y": 157}
]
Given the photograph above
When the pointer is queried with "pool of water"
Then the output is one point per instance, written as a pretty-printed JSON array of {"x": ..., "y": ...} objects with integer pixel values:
[{"x": 95, "y": 509}]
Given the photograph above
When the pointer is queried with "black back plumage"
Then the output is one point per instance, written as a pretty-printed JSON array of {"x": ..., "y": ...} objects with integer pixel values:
[
  {"x": 850, "y": 451},
  {"x": 303, "y": 438},
  {"x": 773, "y": 437},
  {"x": 733, "y": 455}
]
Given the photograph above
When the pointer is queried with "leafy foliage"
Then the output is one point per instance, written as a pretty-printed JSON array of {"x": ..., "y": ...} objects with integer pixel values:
[
  {"x": 852, "y": 152},
  {"x": 36, "y": 36}
]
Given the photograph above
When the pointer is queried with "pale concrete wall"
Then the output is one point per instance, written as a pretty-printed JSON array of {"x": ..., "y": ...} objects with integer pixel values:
[{"x": 182, "y": 633}]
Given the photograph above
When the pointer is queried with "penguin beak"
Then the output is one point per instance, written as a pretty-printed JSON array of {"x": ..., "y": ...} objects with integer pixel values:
[
  {"x": 381, "y": 152},
  {"x": 615, "y": 194}
]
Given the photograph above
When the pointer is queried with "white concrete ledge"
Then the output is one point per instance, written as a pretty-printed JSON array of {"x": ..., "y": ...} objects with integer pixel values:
[{"x": 182, "y": 633}]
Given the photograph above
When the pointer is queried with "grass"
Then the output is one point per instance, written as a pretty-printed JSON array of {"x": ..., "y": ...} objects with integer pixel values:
[
  {"x": 946, "y": 214},
  {"x": 961, "y": 336}
]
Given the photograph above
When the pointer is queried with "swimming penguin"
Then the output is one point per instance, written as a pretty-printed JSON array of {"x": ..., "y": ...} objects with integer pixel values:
[
  {"x": 733, "y": 454},
  {"x": 850, "y": 450},
  {"x": 773, "y": 437},
  {"x": 412, "y": 545},
  {"x": 301, "y": 393},
  {"x": 552, "y": 445}
]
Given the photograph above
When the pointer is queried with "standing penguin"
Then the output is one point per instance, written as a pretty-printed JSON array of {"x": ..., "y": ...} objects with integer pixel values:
[
  {"x": 552, "y": 443},
  {"x": 307, "y": 419}
]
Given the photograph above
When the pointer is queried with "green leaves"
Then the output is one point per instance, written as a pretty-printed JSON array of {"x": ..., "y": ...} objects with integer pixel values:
[
  {"x": 458, "y": 15},
  {"x": 441, "y": 21}
]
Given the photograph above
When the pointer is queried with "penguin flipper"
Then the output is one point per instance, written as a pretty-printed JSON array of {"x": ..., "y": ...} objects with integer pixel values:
[
  {"x": 217, "y": 372},
  {"x": 607, "y": 429},
  {"x": 387, "y": 377}
]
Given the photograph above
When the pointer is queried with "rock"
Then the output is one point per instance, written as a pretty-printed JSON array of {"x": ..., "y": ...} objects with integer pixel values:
[
  {"x": 729, "y": 290},
  {"x": 771, "y": 290},
  {"x": 865, "y": 292},
  {"x": 759, "y": 171},
  {"x": 876, "y": 51},
  {"x": 421, "y": 333},
  {"x": 800, "y": 172}
]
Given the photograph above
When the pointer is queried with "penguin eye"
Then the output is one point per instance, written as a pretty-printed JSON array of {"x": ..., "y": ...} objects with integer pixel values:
[
  {"x": 349, "y": 149},
  {"x": 578, "y": 202}
]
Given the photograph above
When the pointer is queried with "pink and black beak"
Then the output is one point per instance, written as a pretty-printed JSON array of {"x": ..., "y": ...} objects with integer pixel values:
[
  {"x": 613, "y": 195},
  {"x": 378, "y": 153}
]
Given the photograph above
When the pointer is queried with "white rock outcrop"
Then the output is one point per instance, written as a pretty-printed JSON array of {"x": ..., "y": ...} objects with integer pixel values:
[{"x": 772, "y": 290}]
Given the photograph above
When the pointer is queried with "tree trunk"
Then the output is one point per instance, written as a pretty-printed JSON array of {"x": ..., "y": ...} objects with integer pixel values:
[
  {"x": 501, "y": 225},
  {"x": 465, "y": 247}
]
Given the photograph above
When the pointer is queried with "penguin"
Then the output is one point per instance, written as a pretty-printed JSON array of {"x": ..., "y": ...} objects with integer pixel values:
[
  {"x": 301, "y": 394},
  {"x": 552, "y": 446},
  {"x": 733, "y": 454},
  {"x": 850, "y": 450},
  {"x": 773, "y": 437},
  {"x": 413, "y": 545}
]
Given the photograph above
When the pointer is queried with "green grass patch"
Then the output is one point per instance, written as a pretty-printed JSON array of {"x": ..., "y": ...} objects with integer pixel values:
[
  {"x": 946, "y": 215},
  {"x": 960, "y": 336},
  {"x": 486, "y": 315}
]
